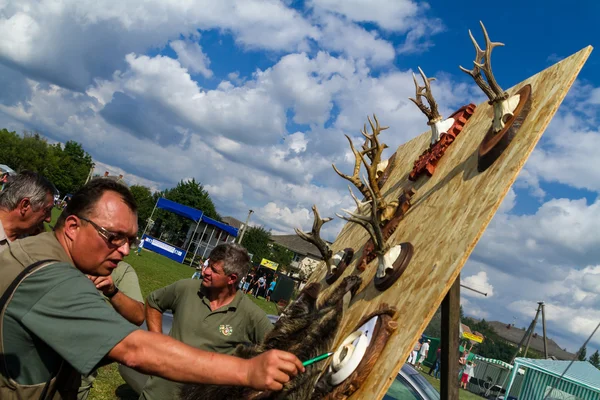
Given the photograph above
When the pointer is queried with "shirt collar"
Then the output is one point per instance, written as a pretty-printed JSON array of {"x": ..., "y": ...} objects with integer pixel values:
[
  {"x": 3, "y": 237},
  {"x": 239, "y": 295}
]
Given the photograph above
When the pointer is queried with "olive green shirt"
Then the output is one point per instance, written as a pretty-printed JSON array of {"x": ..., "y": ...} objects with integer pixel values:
[
  {"x": 125, "y": 278},
  {"x": 55, "y": 314},
  {"x": 195, "y": 324}
]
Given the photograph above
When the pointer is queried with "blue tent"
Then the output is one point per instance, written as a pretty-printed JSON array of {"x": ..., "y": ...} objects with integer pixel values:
[{"x": 187, "y": 212}]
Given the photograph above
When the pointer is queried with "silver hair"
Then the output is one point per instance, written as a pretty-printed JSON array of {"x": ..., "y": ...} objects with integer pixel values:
[
  {"x": 29, "y": 185},
  {"x": 235, "y": 258}
]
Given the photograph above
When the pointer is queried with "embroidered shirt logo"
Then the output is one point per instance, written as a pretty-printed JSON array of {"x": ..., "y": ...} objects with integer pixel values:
[{"x": 226, "y": 330}]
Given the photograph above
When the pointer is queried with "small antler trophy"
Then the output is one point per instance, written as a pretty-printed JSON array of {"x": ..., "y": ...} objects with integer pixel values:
[
  {"x": 437, "y": 123},
  {"x": 336, "y": 264},
  {"x": 509, "y": 111}
]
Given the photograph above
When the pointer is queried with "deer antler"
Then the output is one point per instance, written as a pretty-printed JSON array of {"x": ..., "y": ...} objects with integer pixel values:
[
  {"x": 355, "y": 179},
  {"x": 369, "y": 221},
  {"x": 491, "y": 88},
  {"x": 431, "y": 112},
  {"x": 376, "y": 150},
  {"x": 314, "y": 237}
]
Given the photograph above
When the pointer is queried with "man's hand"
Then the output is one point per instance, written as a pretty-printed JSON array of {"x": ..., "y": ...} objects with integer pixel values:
[
  {"x": 103, "y": 283},
  {"x": 270, "y": 370}
]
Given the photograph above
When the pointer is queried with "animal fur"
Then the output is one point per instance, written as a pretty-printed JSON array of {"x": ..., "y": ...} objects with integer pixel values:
[{"x": 306, "y": 328}]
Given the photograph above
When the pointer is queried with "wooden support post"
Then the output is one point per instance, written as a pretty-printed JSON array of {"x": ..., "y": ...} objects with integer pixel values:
[{"x": 450, "y": 340}]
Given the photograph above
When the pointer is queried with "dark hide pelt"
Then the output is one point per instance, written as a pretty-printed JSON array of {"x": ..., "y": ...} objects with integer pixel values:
[{"x": 306, "y": 328}]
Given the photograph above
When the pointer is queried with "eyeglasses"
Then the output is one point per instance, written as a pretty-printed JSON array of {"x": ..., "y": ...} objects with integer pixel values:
[{"x": 114, "y": 239}]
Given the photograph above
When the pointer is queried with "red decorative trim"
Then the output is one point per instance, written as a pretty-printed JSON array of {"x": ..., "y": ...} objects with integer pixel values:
[{"x": 427, "y": 161}]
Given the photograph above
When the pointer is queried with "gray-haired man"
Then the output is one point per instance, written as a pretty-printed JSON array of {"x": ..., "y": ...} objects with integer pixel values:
[
  {"x": 212, "y": 315},
  {"x": 25, "y": 203}
]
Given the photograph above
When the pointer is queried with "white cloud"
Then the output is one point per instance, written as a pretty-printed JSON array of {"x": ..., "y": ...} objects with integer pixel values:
[
  {"x": 72, "y": 42},
  {"x": 479, "y": 282},
  {"x": 190, "y": 56}
]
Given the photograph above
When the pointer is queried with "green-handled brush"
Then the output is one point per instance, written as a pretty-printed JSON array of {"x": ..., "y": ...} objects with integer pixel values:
[{"x": 318, "y": 358}]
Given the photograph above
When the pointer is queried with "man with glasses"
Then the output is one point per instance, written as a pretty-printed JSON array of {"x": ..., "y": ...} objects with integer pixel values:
[
  {"x": 55, "y": 326},
  {"x": 211, "y": 315},
  {"x": 25, "y": 204}
]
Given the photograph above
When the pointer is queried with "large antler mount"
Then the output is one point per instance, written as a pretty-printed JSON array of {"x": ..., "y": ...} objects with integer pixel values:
[
  {"x": 370, "y": 157},
  {"x": 504, "y": 105},
  {"x": 428, "y": 160}
]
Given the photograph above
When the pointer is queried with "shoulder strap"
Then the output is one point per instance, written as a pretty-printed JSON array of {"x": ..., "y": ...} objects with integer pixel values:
[{"x": 13, "y": 286}]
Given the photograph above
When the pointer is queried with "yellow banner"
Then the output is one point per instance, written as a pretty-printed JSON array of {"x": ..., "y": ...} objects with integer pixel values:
[
  {"x": 269, "y": 264},
  {"x": 472, "y": 337}
]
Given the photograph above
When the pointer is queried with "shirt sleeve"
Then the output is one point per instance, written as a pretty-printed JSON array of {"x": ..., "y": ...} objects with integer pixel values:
[
  {"x": 68, "y": 314},
  {"x": 262, "y": 326},
  {"x": 130, "y": 285},
  {"x": 165, "y": 298}
]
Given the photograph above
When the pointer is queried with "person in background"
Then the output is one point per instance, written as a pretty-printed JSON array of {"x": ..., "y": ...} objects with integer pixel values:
[
  {"x": 198, "y": 273},
  {"x": 271, "y": 288},
  {"x": 212, "y": 315},
  {"x": 25, "y": 204},
  {"x": 261, "y": 286},
  {"x": 423, "y": 354},
  {"x": 437, "y": 358},
  {"x": 467, "y": 374}
]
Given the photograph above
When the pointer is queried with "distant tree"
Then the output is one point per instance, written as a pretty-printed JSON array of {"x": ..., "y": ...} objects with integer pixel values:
[
  {"x": 581, "y": 353},
  {"x": 434, "y": 329},
  {"x": 145, "y": 201},
  {"x": 595, "y": 359},
  {"x": 256, "y": 240},
  {"x": 281, "y": 255}
]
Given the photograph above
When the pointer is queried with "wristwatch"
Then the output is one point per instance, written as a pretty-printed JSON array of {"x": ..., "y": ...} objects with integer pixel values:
[{"x": 112, "y": 294}]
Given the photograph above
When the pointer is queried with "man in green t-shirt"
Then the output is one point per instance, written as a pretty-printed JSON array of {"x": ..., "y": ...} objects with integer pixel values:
[
  {"x": 211, "y": 314},
  {"x": 55, "y": 326},
  {"x": 120, "y": 289}
]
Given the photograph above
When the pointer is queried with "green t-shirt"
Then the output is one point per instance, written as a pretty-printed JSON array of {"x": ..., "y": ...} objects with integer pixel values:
[
  {"x": 195, "y": 324},
  {"x": 56, "y": 313},
  {"x": 125, "y": 278}
]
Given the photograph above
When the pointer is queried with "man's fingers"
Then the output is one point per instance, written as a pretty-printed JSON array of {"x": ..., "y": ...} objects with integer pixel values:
[{"x": 296, "y": 364}]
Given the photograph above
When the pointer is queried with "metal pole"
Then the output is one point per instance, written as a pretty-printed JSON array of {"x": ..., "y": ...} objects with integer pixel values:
[
  {"x": 192, "y": 238},
  {"x": 208, "y": 244},
  {"x": 245, "y": 227},
  {"x": 473, "y": 290},
  {"x": 198, "y": 243},
  {"x": 544, "y": 329},
  {"x": 151, "y": 215},
  {"x": 532, "y": 329}
]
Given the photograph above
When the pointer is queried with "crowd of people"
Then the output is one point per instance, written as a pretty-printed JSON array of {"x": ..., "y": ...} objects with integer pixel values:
[{"x": 70, "y": 304}]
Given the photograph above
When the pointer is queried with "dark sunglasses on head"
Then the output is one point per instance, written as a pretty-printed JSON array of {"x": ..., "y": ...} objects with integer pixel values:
[{"x": 114, "y": 239}]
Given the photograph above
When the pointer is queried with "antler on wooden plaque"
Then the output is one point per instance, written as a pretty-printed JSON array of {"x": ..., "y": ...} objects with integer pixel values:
[
  {"x": 435, "y": 120},
  {"x": 504, "y": 106},
  {"x": 371, "y": 150},
  {"x": 392, "y": 260},
  {"x": 336, "y": 263}
]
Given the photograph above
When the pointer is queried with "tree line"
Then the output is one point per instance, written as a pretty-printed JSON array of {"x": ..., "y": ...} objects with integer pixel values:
[{"x": 68, "y": 166}]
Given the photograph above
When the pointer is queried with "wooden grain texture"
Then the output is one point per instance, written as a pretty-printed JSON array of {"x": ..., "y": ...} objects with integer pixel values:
[{"x": 449, "y": 214}]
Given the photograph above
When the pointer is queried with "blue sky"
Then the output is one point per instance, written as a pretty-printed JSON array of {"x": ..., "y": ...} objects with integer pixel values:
[{"x": 253, "y": 98}]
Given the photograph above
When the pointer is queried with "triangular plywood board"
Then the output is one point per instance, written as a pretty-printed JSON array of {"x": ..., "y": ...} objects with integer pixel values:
[{"x": 449, "y": 213}]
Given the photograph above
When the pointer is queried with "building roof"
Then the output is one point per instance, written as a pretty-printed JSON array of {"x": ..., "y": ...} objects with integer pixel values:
[
  {"x": 236, "y": 223},
  {"x": 296, "y": 244},
  {"x": 514, "y": 335},
  {"x": 580, "y": 372}
]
